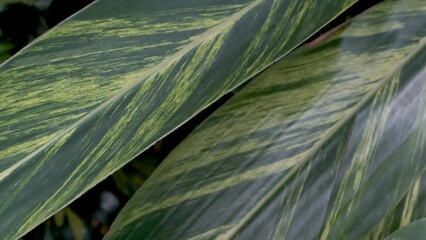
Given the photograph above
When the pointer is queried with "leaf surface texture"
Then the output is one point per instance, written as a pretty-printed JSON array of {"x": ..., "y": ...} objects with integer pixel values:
[{"x": 322, "y": 145}]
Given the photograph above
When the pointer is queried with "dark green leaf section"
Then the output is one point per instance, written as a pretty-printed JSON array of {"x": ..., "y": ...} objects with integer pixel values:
[
  {"x": 107, "y": 83},
  {"x": 322, "y": 145},
  {"x": 414, "y": 231}
]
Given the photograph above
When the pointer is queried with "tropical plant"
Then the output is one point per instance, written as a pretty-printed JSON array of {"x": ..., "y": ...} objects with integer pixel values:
[{"x": 327, "y": 143}]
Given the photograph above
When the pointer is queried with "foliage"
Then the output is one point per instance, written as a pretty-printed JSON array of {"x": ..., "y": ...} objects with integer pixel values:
[
  {"x": 302, "y": 151},
  {"x": 308, "y": 149}
]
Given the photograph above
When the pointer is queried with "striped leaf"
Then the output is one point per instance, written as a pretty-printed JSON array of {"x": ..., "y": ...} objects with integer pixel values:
[
  {"x": 411, "y": 208},
  {"x": 414, "y": 231},
  {"x": 94, "y": 92},
  {"x": 319, "y": 146}
]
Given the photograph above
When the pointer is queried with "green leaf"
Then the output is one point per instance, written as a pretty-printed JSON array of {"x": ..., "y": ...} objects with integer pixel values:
[
  {"x": 88, "y": 96},
  {"x": 4, "y": 51},
  {"x": 411, "y": 208},
  {"x": 77, "y": 226},
  {"x": 319, "y": 146},
  {"x": 414, "y": 231}
]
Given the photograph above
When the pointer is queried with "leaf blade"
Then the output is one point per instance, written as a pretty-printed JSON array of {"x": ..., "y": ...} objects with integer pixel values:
[
  {"x": 139, "y": 60},
  {"x": 244, "y": 150},
  {"x": 415, "y": 230}
]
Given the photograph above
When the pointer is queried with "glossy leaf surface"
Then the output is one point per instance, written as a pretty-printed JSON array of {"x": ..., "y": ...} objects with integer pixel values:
[
  {"x": 104, "y": 85},
  {"x": 319, "y": 146}
]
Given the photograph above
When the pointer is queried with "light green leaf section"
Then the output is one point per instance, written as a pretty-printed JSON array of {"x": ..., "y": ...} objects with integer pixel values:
[
  {"x": 322, "y": 145},
  {"x": 94, "y": 92},
  {"x": 414, "y": 231}
]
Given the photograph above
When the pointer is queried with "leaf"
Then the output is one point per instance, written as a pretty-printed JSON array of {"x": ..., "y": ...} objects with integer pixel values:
[
  {"x": 411, "y": 208},
  {"x": 319, "y": 146},
  {"x": 77, "y": 226},
  {"x": 87, "y": 97},
  {"x": 414, "y": 231},
  {"x": 59, "y": 218},
  {"x": 4, "y": 51}
]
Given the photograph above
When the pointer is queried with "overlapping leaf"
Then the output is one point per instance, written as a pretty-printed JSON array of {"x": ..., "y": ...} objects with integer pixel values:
[
  {"x": 97, "y": 90},
  {"x": 414, "y": 231},
  {"x": 322, "y": 145},
  {"x": 410, "y": 209}
]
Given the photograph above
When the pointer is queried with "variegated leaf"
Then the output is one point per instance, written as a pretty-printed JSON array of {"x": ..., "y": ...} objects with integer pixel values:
[
  {"x": 320, "y": 146},
  {"x": 88, "y": 96},
  {"x": 411, "y": 208},
  {"x": 414, "y": 231}
]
